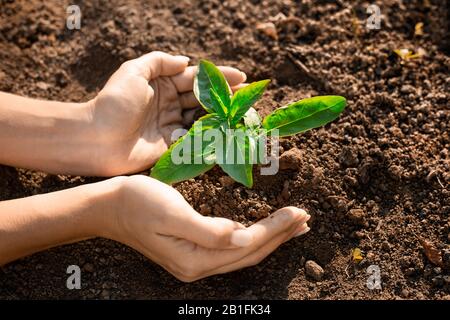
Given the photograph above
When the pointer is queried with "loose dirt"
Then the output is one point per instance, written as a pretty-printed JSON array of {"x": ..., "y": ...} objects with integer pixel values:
[{"x": 376, "y": 179}]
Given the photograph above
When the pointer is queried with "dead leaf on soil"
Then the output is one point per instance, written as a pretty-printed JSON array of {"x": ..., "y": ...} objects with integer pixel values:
[
  {"x": 406, "y": 54},
  {"x": 418, "y": 29},
  {"x": 357, "y": 255},
  {"x": 431, "y": 252}
]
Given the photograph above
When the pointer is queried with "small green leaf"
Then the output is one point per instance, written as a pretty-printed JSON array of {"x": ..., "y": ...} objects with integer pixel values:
[
  {"x": 244, "y": 98},
  {"x": 305, "y": 114},
  {"x": 239, "y": 166},
  {"x": 218, "y": 104},
  {"x": 210, "y": 79},
  {"x": 169, "y": 172}
]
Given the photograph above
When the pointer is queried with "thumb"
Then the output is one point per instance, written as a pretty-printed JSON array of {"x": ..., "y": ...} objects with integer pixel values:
[
  {"x": 219, "y": 233},
  {"x": 155, "y": 64}
]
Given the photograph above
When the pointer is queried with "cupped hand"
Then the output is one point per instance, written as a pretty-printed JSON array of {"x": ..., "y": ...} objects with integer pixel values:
[
  {"x": 134, "y": 115},
  {"x": 154, "y": 219}
]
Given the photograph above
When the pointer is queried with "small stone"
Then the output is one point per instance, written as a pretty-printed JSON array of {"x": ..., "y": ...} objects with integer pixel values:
[
  {"x": 437, "y": 270},
  {"x": 370, "y": 256},
  {"x": 404, "y": 293},
  {"x": 291, "y": 159},
  {"x": 119, "y": 257},
  {"x": 42, "y": 85},
  {"x": 407, "y": 89},
  {"x": 226, "y": 181},
  {"x": 88, "y": 267},
  {"x": 105, "y": 294},
  {"x": 410, "y": 271},
  {"x": 268, "y": 28},
  {"x": 385, "y": 246},
  {"x": 357, "y": 216},
  {"x": 438, "y": 281},
  {"x": 348, "y": 157},
  {"x": 313, "y": 270}
]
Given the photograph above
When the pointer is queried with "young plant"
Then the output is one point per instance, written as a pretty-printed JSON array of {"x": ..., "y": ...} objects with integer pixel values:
[{"x": 231, "y": 118}]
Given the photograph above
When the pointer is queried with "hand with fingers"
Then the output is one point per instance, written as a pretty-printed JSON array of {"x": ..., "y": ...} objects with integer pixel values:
[
  {"x": 142, "y": 103},
  {"x": 154, "y": 219}
]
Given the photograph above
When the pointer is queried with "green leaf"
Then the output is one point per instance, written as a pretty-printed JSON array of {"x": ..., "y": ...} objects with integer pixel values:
[
  {"x": 218, "y": 104},
  {"x": 209, "y": 85},
  {"x": 239, "y": 166},
  {"x": 244, "y": 98},
  {"x": 305, "y": 114},
  {"x": 168, "y": 171}
]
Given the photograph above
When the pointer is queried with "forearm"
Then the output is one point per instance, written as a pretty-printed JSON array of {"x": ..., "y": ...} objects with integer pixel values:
[
  {"x": 39, "y": 222},
  {"x": 54, "y": 137}
]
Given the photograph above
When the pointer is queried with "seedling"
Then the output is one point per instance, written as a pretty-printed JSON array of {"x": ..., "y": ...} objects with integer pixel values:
[{"x": 231, "y": 118}]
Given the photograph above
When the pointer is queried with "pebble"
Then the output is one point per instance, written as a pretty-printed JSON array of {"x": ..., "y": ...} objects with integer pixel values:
[
  {"x": 291, "y": 159},
  {"x": 348, "y": 157},
  {"x": 407, "y": 89},
  {"x": 313, "y": 270},
  {"x": 357, "y": 216},
  {"x": 42, "y": 85},
  {"x": 404, "y": 293},
  {"x": 385, "y": 246},
  {"x": 226, "y": 181},
  {"x": 88, "y": 267},
  {"x": 438, "y": 281},
  {"x": 105, "y": 294}
]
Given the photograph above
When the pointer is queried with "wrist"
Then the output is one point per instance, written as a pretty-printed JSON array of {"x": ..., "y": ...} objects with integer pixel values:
[{"x": 105, "y": 202}]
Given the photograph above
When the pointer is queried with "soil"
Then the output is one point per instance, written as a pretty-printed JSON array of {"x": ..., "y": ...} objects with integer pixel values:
[{"x": 376, "y": 179}]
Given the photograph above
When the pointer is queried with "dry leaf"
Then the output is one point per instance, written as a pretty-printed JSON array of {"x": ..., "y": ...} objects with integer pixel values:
[
  {"x": 356, "y": 27},
  {"x": 432, "y": 253},
  {"x": 268, "y": 28},
  {"x": 356, "y": 255},
  {"x": 418, "y": 29},
  {"x": 407, "y": 54}
]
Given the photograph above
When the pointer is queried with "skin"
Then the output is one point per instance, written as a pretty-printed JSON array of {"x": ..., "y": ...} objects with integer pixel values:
[{"x": 124, "y": 130}]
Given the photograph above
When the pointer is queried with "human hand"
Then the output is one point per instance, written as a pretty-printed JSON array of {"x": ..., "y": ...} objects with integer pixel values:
[
  {"x": 133, "y": 116},
  {"x": 154, "y": 219}
]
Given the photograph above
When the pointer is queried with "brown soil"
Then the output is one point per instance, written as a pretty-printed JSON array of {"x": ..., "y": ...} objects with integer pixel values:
[{"x": 377, "y": 178}]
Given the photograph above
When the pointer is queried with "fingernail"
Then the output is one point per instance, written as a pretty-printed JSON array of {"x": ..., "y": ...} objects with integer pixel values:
[
  {"x": 244, "y": 76},
  {"x": 302, "y": 232},
  {"x": 241, "y": 238},
  {"x": 183, "y": 58},
  {"x": 303, "y": 212}
]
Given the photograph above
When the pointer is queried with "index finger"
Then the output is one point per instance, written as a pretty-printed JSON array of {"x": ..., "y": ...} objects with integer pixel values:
[{"x": 184, "y": 81}]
